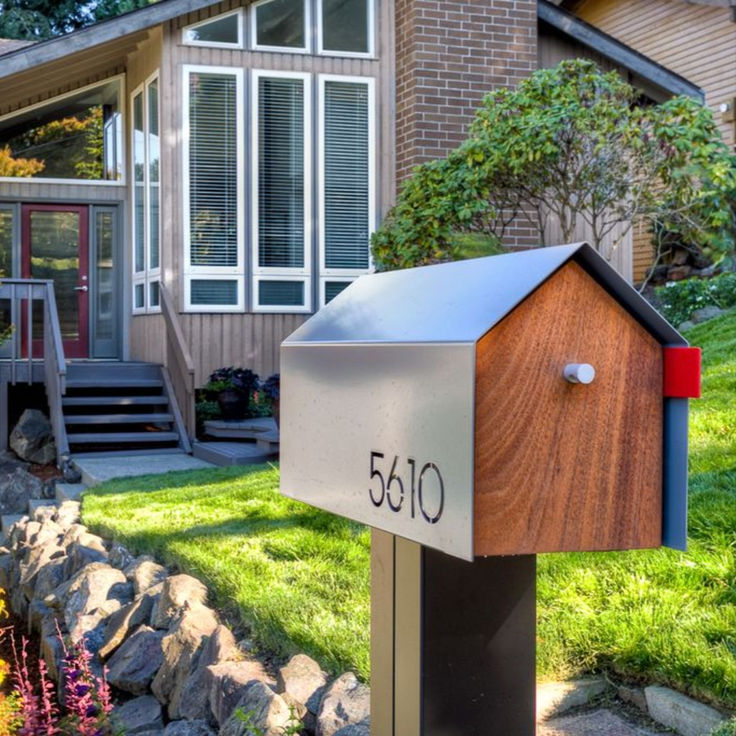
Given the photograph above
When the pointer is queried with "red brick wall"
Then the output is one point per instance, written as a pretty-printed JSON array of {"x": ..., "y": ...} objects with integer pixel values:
[{"x": 449, "y": 54}]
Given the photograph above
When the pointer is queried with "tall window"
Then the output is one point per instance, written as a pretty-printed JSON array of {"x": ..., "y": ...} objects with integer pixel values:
[
  {"x": 346, "y": 181},
  {"x": 214, "y": 189},
  {"x": 146, "y": 197},
  {"x": 281, "y": 202}
]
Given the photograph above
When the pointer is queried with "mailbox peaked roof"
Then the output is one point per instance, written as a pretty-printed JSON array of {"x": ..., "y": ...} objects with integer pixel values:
[{"x": 461, "y": 301}]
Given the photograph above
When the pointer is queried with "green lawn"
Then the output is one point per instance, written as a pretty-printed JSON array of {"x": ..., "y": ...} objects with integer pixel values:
[{"x": 300, "y": 577}]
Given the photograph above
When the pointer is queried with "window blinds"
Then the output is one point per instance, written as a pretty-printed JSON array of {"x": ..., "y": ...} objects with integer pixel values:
[
  {"x": 213, "y": 169},
  {"x": 346, "y": 175}
]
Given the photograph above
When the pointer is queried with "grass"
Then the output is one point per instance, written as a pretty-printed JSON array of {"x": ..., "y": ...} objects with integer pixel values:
[{"x": 300, "y": 577}]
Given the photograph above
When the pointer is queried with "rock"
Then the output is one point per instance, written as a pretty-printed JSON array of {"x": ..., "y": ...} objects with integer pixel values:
[
  {"x": 555, "y": 698},
  {"x": 86, "y": 549},
  {"x": 33, "y": 439},
  {"x": 120, "y": 558},
  {"x": 144, "y": 573},
  {"x": 179, "y": 593},
  {"x": 16, "y": 489},
  {"x": 49, "y": 577},
  {"x": 598, "y": 723},
  {"x": 136, "y": 662},
  {"x": 686, "y": 325},
  {"x": 220, "y": 647},
  {"x": 52, "y": 649},
  {"x": 70, "y": 472},
  {"x": 38, "y": 559},
  {"x": 303, "y": 680},
  {"x": 123, "y": 621},
  {"x": 181, "y": 647},
  {"x": 6, "y": 562},
  {"x": 9, "y": 461},
  {"x": 633, "y": 695},
  {"x": 358, "y": 729},
  {"x": 267, "y": 713},
  {"x": 227, "y": 682},
  {"x": 680, "y": 713},
  {"x": 346, "y": 702},
  {"x": 37, "y": 611},
  {"x": 139, "y": 715},
  {"x": 43, "y": 514},
  {"x": 188, "y": 728},
  {"x": 706, "y": 313},
  {"x": 68, "y": 514}
]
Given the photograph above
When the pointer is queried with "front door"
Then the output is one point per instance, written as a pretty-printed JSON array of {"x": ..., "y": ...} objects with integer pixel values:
[{"x": 55, "y": 245}]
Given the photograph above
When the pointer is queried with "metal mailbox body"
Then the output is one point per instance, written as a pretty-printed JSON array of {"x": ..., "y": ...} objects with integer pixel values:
[{"x": 430, "y": 403}]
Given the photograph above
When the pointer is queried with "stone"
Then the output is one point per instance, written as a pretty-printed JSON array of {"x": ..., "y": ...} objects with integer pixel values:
[
  {"x": 597, "y": 723},
  {"x": 120, "y": 557},
  {"x": 43, "y": 514},
  {"x": 706, "y": 313},
  {"x": 136, "y": 662},
  {"x": 52, "y": 650},
  {"x": 220, "y": 647},
  {"x": 38, "y": 558},
  {"x": 16, "y": 489},
  {"x": 181, "y": 647},
  {"x": 226, "y": 683},
  {"x": 188, "y": 728},
  {"x": 86, "y": 549},
  {"x": 680, "y": 713},
  {"x": 144, "y": 573},
  {"x": 346, "y": 702},
  {"x": 357, "y": 729},
  {"x": 686, "y": 325},
  {"x": 49, "y": 531},
  {"x": 677, "y": 273},
  {"x": 268, "y": 714},
  {"x": 49, "y": 577},
  {"x": 32, "y": 438},
  {"x": 10, "y": 461},
  {"x": 123, "y": 621},
  {"x": 555, "y": 698},
  {"x": 303, "y": 680},
  {"x": 139, "y": 715},
  {"x": 179, "y": 593},
  {"x": 68, "y": 514},
  {"x": 6, "y": 562},
  {"x": 633, "y": 695}
]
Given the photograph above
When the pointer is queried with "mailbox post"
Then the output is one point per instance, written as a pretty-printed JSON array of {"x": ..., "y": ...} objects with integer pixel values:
[{"x": 475, "y": 414}]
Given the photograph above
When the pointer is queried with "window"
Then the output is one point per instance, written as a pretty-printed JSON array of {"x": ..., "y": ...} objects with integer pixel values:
[
  {"x": 214, "y": 188},
  {"x": 76, "y": 136},
  {"x": 280, "y": 25},
  {"x": 346, "y": 27},
  {"x": 146, "y": 196},
  {"x": 224, "y": 31},
  {"x": 346, "y": 177},
  {"x": 281, "y": 202}
]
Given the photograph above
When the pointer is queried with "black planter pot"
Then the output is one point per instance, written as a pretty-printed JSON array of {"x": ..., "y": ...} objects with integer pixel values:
[{"x": 233, "y": 403}]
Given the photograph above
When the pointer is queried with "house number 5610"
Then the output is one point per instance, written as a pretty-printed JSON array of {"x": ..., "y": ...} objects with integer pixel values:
[{"x": 391, "y": 489}]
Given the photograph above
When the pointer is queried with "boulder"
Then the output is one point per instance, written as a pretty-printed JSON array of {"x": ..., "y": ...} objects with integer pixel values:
[
  {"x": 32, "y": 438},
  {"x": 303, "y": 680},
  {"x": 220, "y": 647},
  {"x": 68, "y": 514},
  {"x": 52, "y": 650},
  {"x": 44, "y": 514},
  {"x": 144, "y": 573},
  {"x": 10, "y": 461},
  {"x": 120, "y": 557},
  {"x": 123, "y": 621},
  {"x": 179, "y": 593},
  {"x": 226, "y": 683},
  {"x": 346, "y": 702},
  {"x": 38, "y": 559},
  {"x": 181, "y": 648},
  {"x": 262, "y": 712},
  {"x": 706, "y": 313},
  {"x": 16, "y": 488},
  {"x": 188, "y": 728},
  {"x": 86, "y": 549},
  {"x": 358, "y": 729},
  {"x": 136, "y": 662},
  {"x": 138, "y": 716},
  {"x": 6, "y": 563},
  {"x": 49, "y": 577}
]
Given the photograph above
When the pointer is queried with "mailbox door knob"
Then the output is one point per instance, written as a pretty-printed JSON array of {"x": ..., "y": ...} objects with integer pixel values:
[{"x": 579, "y": 373}]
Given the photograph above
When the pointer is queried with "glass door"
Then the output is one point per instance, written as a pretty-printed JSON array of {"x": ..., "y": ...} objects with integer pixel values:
[{"x": 55, "y": 245}]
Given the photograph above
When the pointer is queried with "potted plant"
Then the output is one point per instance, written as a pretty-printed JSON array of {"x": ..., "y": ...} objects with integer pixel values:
[
  {"x": 271, "y": 387},
  {"x": 233, "y": 388}
]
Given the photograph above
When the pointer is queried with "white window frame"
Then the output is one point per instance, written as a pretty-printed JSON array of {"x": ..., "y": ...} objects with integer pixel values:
[
  {"x": 306, "y": 49},
  {"x": 282, "y": 274},
  {"x": 148, "y": 275},
  {"x": 216, "y": 44},
  {"x": 214, "y": 273},
  {"x": 345, "y": 274},
  {"x": 120, "y": 79},
  {"x": 349, "y": 54}
]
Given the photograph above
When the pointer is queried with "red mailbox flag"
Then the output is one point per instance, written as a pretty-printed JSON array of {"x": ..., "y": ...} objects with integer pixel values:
[{"x": 682, "y": 373}]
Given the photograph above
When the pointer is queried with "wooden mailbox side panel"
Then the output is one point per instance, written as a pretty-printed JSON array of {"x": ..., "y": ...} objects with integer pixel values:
[{"x": 562, "y": 466}]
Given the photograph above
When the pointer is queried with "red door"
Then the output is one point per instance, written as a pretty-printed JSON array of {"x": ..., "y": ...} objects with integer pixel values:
[{"x": 55, "y": 245}]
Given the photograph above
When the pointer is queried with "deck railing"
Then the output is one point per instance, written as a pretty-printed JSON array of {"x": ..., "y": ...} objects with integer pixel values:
[
  {"x": 179, "y": 361},
  {"x": 21, "y": 354}
]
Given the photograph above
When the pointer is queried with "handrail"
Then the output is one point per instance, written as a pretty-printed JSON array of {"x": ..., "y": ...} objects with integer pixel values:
[
  {"x": 179, "y": 357},
  {"x": 22, "y": 293}
]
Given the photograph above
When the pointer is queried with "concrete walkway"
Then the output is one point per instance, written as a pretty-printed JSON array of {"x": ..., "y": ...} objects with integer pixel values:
[
  {"x": 599, "y": 722},
  {"x": 102, "y": 467}
]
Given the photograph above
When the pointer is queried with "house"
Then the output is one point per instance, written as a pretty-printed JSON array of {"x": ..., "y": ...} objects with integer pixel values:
[{"x": 199, "y": 177}]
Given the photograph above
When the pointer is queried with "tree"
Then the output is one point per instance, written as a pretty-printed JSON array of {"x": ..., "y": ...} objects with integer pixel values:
[
  {"x": 10, "y": 166},
  {"x": 569, "y": 144}
]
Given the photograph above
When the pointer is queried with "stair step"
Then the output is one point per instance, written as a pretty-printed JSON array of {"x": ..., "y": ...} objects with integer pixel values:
[
  {"x": 109, "y": 438},
  {"x": 35, "y": 503},
  {"x": 69, "y": 491},
  {"x": 113, "y": 371},
  {"x": 111, "y": 382},
  {"x": 113, "y": 400},
  {"x": 117, "y": 418},
  {"x": 231, "y": 453}
]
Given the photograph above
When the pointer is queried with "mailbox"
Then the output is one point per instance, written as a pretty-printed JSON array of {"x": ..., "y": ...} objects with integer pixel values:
[{"x": 474, "y": 414}]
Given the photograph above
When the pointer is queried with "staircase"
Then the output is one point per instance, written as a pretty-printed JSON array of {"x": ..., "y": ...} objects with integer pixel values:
[{"x": 121, "y": 407}]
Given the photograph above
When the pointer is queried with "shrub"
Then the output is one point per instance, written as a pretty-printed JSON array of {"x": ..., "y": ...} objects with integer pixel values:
[{"x": 679, "y": 299}]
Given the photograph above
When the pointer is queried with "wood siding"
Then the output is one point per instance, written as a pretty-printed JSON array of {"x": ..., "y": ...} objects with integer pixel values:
[{"x": 247, "y": 339}]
